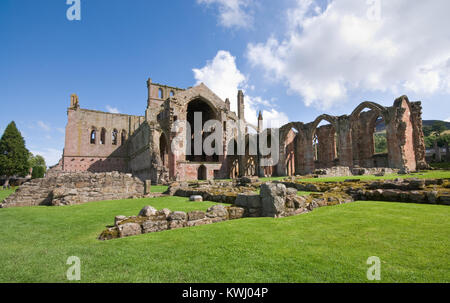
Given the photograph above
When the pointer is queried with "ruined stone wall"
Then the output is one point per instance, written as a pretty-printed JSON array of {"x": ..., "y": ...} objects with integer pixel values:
[
  {"x": 326, "y": 152},
  {"x": 76, "y": 188},
  {"x": 348, "y": 140},
  {"x": 88, "y": 151},
  {"x": 419, "y": 143}
]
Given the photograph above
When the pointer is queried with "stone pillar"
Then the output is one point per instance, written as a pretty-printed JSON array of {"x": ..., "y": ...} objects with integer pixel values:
[
  {"x": 149, "y": 91},
  {"x": 147, "y": 187},
  {"x": 355, "y": 143},
  {"x": 327, "y": 145},
  {"x": 419, "y": 138},
  {"x": 309, "y": 165},
  {"x": 399, "y": 132},
  {"x": 344, "y": 132},
  {"x": 281, "y": 166},
  {"x": 240, "y": 103}
]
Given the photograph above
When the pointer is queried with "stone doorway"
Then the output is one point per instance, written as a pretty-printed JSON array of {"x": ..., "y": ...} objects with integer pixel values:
[{"x": 202, "y": 173}]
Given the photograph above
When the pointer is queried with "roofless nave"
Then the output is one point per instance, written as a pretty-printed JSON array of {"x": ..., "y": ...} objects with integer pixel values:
[{"x": 101, "y": 142}]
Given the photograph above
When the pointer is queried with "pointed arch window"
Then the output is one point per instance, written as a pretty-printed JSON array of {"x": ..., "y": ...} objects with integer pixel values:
[
  {"x": 103, "y": 136},
  {"x": 93, "y": 136},
  {"x": 115, "y": 133},
  {"x": 123, "y": 137}
]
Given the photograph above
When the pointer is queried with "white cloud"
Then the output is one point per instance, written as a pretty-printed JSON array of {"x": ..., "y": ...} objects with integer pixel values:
[
  {"x": 329, "y": 53},
  {"x": 43, "y": 125},
  {"x": 112, "y": 110},
  {"x": 232, "y": 13},
  {"x": 448, "y": 119},
  {"x": 223, "y": 77},
  {"x": 51, "y": 155}
]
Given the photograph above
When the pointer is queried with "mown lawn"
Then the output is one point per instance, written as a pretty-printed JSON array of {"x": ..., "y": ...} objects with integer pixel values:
[
  {"x": 330, "y": 244},
  {"x": 4, "y": 193},
  {"x": 158, "y": 188},
  {"x": 432, "y": 174}
]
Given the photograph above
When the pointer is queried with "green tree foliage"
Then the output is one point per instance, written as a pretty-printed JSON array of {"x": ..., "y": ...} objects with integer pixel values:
[
  {"x": 380, "y": 143},
  {"x": 38, "y": 172},
  {"x": 39, "y": 167},
  {"x": 14, "y": 155},
  {"x": 427, "y": 131},
  {"x": 37, "y": 160},
  {"x": 438, "y": 128}
]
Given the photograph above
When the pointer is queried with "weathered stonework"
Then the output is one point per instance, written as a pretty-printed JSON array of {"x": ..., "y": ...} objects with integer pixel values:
[
  {"x": 280, "y": 199},
  {"x": 141, "y": 145},
  {"x": 76, "y": 188}
]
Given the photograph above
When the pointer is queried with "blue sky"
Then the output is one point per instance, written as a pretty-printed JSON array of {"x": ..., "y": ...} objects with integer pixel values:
[{"x": 295, "y": 59}]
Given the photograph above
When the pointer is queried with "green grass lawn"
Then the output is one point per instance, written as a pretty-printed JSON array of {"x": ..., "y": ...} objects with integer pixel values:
[
  {"x": 158, "y": 188},
  {"x": 4, "y": 193},
  {"x": 432, "y": 174},
  {"x": 330, "y": 244}
]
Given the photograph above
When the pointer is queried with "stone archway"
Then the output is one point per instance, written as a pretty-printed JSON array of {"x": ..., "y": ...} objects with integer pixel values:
[
  {"x": 202, "y": 173},
  {"x": 194, "y": 109}
]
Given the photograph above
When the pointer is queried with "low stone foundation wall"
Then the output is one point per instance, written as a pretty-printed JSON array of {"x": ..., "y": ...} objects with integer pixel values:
[
  {"x": 345, "y": 171},
  {"x": 422, "y": 191},
  {"x": 75, "y": 188},
  {"x": 215, "y": 191},
  {"x": 274, "y": 200}
]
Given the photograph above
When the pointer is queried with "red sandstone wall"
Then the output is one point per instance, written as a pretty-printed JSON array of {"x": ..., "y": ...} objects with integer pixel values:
[{"x": 81, "y": 155}]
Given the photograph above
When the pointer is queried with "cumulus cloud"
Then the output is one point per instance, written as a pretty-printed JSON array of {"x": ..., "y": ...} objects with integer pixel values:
[
  {"x": 51, "y": 155},
  {"x": 328, "y": 53},
  {"x": 232, "y": 13},
  {"x": 223, "y": 77},
  {"x": 112, "y": 110}
]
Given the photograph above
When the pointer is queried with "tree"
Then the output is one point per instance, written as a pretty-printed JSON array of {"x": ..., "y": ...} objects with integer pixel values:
[
  {"x": 427, "y": 131},
  {"x": 37, "y": 160},
  {"x": 38, "y": 164},
  {"x": 38, "y": 172},
  {"x": 380, "y": 143},
  {"x": 14, "y": 155},
  {"x": 438, "y": 128}
]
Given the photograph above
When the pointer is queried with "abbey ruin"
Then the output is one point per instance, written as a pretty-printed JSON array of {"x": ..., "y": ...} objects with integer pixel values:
[{"x": 141, "y": 145}]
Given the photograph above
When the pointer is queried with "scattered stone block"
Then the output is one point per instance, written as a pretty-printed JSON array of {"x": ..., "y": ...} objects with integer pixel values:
[
  {"x": 199, "y": 222},
  {"x": 235, "y": 212},
  {"x": 129, "y": 229},
  {"x": 178, "y": 216},
  {"x": 154, "y": 226},
  {"x": 119, "y": 219},
  {"x": 273, "y": 199},
  {"x": 217, "y": 211},
  {"x": 147, "y": 211},
  {"x": 196, "y": 198},
  {"x": 196, "y": 215}
]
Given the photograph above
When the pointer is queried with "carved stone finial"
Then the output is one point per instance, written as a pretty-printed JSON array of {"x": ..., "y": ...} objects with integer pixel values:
[{"x": 74, "y": 103}]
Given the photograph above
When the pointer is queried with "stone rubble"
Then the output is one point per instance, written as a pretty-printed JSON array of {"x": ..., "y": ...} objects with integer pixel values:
[{"x": 75, "y": 188}]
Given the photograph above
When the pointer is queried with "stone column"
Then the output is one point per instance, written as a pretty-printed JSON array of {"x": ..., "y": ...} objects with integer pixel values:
[
  {"x": 327, "y": 145},
  {"x": 147, "y": 187},
  {"x": 309, "y": 165},
  {"x": 345, "y": 141}
]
